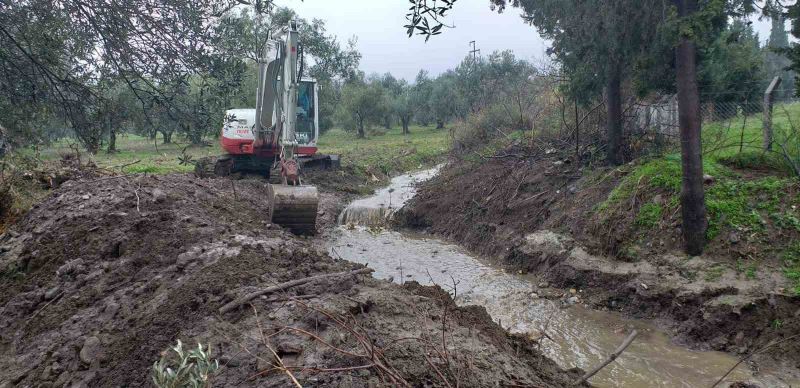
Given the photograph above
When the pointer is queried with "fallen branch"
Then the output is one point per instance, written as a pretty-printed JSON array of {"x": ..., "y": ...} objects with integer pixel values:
[
  {"x": 771, "y": 344},
  {"x": 281, "y": 365},
  {"x": 280, "y": 287},
  {"x": 122, "y": 166},
  {"x": 610, "y": 358}
]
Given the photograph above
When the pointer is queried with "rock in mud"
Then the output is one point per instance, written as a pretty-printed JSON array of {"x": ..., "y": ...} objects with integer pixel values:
[
  {"x": 52, "y": 293},
  {"x": 92, "y": 351},
  {"x": 159, "y": 196}
]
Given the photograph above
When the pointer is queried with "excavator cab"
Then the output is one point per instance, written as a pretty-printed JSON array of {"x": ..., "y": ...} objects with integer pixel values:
[{"x": 307, "y": 129}]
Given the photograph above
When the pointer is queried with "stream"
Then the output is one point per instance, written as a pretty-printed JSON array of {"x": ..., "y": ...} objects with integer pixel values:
[{"x": 581, "y": 336}]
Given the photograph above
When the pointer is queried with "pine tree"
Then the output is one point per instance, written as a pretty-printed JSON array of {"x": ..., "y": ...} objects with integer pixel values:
[{"x": 776, "y": 62}]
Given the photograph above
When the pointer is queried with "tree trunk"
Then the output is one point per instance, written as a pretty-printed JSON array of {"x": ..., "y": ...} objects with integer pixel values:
[
  {"x": 112, "y": 140},
  {"x": 614, "y": 124},
  {"x": 439, "y": 124},
  {"x": 361, "y": 133},
  {"x": 153, "y": 133},
  {"x": 387, "y": 122},
  {"x": 405, "y": 121},
  {"x": 693, "y": 208},
  {"x": 167, "y": 135}
]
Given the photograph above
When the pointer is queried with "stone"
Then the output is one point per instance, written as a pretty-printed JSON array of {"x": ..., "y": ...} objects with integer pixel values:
[
  {"x": 734, "y": 238},
  {"x": 62, "y": 379},
  {"x": 573, "y": 291},
  {"x": 47, "y": 373},
  {"x": 708, "y": 179},
  {"x": 52, "y": 293},
  {"x": 159, "y": 196},
  {"x": 289, "y": 348},
  {"x": 573, "y": 300},
  {"x": 263, "y": 364},
  {"x": 92, "y": 351},
  {"x": 658, "y": 199},
  {"x": 544, "y": 285},
  {"x": 184, "y": 259}
]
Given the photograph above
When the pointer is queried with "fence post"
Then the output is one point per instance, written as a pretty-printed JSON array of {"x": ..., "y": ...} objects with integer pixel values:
[{"x": 769, "y": 95}]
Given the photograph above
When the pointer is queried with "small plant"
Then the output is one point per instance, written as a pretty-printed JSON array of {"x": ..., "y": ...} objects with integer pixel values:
[
  {"x": 649, "y": 215},
  {"x": 777, "y": 324},
  {"x": 750, "y": 273},
  {"x": 786, "y": 221},
  {"x": 185, "y": 369},
  {"x": 185, "y": 158},
  {"x": 714, "y": 273},
  {"x": 791, "y": 261}
]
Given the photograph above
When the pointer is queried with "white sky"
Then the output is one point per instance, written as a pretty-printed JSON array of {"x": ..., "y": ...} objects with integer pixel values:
[{"x": 385, "y": 47}]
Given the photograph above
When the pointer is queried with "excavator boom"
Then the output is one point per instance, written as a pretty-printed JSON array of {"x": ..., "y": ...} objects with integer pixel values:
[{"x": 292, "y": 204}]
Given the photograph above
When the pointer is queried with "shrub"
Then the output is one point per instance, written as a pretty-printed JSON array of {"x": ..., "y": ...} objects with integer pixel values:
[
  {"x": 185, "y": 369},
  {"x": 481, "y": 128}
]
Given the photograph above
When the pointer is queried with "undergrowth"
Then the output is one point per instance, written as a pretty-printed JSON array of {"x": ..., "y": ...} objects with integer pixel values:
[
  {"x": 388, "y": 153},
  {"x": 791, "y": 261},
  {"x": 763, "y": 210}
]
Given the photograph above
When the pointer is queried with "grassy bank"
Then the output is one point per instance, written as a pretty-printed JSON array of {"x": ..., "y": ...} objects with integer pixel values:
[
  {"x": 137, "y": 154},
  {"x": 752, "y": 203},
  {"x": 384, "y": 152},
  {"x": 389, "y": 151}
]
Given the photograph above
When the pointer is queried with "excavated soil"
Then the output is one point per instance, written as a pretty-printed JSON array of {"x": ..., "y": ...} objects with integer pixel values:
[
  {"x": 106, "y": 273},
  {"x": 537, "y": 215}
]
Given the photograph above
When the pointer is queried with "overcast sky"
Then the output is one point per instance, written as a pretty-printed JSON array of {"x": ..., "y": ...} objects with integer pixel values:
[{"x": 385, "y": 47}]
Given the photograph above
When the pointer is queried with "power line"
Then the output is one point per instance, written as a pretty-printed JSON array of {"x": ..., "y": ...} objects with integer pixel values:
[{"x": 474, "y": 51}]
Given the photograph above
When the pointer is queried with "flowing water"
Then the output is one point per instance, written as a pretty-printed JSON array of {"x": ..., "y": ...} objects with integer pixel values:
[{"x": 580, "y": 337}]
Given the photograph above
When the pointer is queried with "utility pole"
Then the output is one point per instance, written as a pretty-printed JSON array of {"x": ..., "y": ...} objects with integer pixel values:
[{"x": 474, "y": 52}]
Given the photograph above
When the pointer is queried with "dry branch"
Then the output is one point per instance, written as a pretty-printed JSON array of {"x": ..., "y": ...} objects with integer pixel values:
[
  {"x": 283, "y": 286},
  {"x": 763, "y": 349},
  {"x": 610, "y": 358}
]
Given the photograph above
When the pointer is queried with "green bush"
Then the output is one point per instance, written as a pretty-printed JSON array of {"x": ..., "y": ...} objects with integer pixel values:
[
  {"x": 649, "y": 215},
  {"x": 185, "y": 369},
  {"x": 481, "y": 128}
]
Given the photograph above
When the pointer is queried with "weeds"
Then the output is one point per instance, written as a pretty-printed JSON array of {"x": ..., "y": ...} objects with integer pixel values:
[
  {"x": 714, "y": 273},
  {"x": 791, "y": 261},
  {"x": 185, "y": 369},
  {"x": 649, "y": 215}
]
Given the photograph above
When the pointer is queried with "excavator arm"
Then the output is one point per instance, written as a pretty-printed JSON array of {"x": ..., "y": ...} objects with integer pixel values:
[{"x": 292, "y": 204}]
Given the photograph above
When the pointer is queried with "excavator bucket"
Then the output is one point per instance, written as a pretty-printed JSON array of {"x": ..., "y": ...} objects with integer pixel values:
[{"x": 294, "y": 207}]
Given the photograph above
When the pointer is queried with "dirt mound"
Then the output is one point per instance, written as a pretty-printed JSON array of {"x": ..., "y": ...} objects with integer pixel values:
[
  {"x": 506, "y": 208},
  {"x": 106, "y": 273}
]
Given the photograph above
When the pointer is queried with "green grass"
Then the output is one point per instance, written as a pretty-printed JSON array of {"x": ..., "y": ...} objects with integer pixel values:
[
  {"x": 724, "y": 139},
  {"x": 140, "y": 154},
  {"x": 751, "y": 194},
  {"x": 388, "y": 153},
  {"x": 381, "y": 154},
  {"x": 791, "y": 261},
  {"x": 649, "y": 215}
]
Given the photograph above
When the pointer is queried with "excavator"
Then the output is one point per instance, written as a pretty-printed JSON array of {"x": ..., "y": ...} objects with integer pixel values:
[{"x": 281, "y": 131}]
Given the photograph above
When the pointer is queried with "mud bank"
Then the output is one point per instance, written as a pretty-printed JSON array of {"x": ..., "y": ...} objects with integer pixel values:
[
  {"x": 106, "y": 273},
  {"x": 539, "y": 216}
]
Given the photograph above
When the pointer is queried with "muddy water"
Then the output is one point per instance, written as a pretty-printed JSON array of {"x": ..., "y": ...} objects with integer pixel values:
[{"x": 580, "y": 337}]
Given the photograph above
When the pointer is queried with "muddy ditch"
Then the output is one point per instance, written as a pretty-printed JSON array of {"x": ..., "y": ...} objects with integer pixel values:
[
  {"x": 106, "y": 273},
  {"x": 538, "y": 217},
  {"x": 565, "y": 327}
]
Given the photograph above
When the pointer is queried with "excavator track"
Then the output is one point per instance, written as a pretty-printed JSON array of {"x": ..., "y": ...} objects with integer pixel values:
[{"x": 294, "y": 207}]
